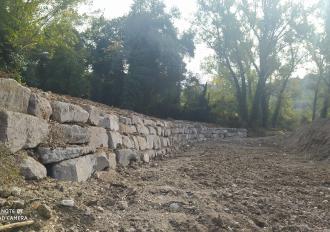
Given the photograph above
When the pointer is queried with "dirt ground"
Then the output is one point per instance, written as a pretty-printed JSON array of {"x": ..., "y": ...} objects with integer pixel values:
[{"x": 233, "y": 185}]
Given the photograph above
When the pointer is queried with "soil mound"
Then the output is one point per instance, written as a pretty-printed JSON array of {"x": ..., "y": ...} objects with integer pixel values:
[{"x": 312, "y": 139}]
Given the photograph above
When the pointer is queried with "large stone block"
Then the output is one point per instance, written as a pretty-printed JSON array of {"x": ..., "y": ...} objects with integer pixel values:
[
  {"x": 137, "y": 120},
  {"x": 165, "y": 142},
  {"x": 32, "y": 169},
  {"x": 98, "y": 137},
  {"x": 156, "y": 142},
  {"x": 149, "y": 122},
  {"x": 127, "y": 129},
  {"x": 112, "y": 161},
  {"x": 141, "y": 129},
  {"x": 81, "y": 168},
  {"x": 153, "y": 142},
  {"x": 152, "y": 130},
  {"x": 94, "y": 115},
  {"x": 142, "y": 143},
  {"x": 100, "y": 161},
  {"x": 69, "y": 134},
  {"x": 67, "y": 112},
  {"x": 126, "y": 156},
  {"x": 78, "y": 169},
  {"x": 109, "y": 121},
  {"x": 18, "y": 131},
  {"x": 150, "y": 141},
  {"x": 49, "y": 155},
  {"x": 39, "y": 107},
  {"x": 127, "y": 142},
  {"x": 159, "y": 130},
  {"x": 125, "y": 120},
  {"x": 115, "y": 139},
  {"x": 147, "y": 155},
  {"x": 136, "y": 142},
  {"x": 13, "y": 96}
]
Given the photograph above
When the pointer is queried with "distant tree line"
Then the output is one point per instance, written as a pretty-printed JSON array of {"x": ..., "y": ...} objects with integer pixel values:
[{"x": 137, "y": 61}]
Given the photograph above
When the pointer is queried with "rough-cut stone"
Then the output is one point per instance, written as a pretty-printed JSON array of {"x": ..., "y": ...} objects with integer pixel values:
[
  {"x": 127, "y": 142},
  {"x": 78, "y": 169},
  {"x": 101, "y": 161},
  {"x": 159, "y": 123},
  {"x": 142, "y": 143},
  {"x": 109, "y": 121},
  {"x": 127, "y": 129},
  {"x": 145, "y": 157},
  {"x": 67, "y": 112},
  {"x": 39, "y": 107},
  {"x": 81, "y": 168},
  {"x": 159, "y": 130},
  {"x": 32, "y": 169},
  {"x": 152, "y": 130},
  {"x": 48, "y": 155},
  {"x": 156, "y": 142},
  {"x": 69, "y": 134},
  {"x": 115, "y": 139},
  {"x": 153, "y": 142},
  {"x": 142, "y": 129},
  {"x": 94, "y": 115},
  {"x": 126, "y": 156},
  {"x": 112, "y": 160},
  {"x": 98, "y": 137},
  {"x": 136, "y": 142},
  {"x": 150, "y": 141},
  {"x": 165, "y": 142},
  {"x": 13, "y": 96},
  {"x": 125, "y": 120},
  {"x": 136, "y": 120},
  {"x": 150, "y": 154},
  {"x": 18, "y": 131},
  {"x": 149, "y": 122}
]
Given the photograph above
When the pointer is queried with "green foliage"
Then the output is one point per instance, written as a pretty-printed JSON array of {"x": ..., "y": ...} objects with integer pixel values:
[
  {"x": 138, "y": 60},
  {"x": 26, "y": 25},
  {"x": 195, "y": 100}
]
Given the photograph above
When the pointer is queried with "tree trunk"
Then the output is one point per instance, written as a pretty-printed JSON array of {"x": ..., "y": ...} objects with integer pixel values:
[
  {"x": 256, "y": 107},
  {"x": 264, "y": 109},
  {"x": 316, "y": 95},
  {"x": 324, "y": 111},
  {"x": 278, "y": 105}
]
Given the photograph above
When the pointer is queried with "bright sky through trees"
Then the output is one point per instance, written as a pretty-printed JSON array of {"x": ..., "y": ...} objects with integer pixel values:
[{"x": 115, "y": 8}]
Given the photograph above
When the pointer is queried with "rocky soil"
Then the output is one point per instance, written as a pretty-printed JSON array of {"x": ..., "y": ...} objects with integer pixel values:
[{"x": 231, "y": 185}]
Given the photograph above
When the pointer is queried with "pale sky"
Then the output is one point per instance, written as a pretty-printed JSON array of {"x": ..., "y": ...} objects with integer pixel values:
[{"x": 116, "y": 8}]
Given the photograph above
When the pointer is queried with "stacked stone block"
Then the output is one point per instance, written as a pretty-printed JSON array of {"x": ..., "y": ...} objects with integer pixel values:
[{"x": 73, "y": 141}]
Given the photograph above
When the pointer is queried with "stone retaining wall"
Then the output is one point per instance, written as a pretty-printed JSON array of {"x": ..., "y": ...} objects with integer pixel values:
[{"x": 70, "y": 141}]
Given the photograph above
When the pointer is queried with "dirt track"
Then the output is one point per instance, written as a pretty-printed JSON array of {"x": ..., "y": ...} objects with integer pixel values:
[{"x": 240, "y": 185}]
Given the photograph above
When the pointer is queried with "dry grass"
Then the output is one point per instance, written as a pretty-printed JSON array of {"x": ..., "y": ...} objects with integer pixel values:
[
  {"x": 313, "y": 140},
  {"x": 9, "y": 168}
]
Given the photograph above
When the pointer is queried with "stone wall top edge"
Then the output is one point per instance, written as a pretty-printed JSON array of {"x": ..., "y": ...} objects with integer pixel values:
[{"x": 51, "y": 97}]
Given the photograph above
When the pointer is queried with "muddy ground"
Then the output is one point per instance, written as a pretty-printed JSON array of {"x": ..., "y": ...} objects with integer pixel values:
[{"x": 233, "y": 185}]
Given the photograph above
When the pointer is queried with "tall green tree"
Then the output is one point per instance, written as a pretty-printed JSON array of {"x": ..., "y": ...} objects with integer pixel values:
[
  {"x": 137, "y": 60},
  {"x": 25, "y": 25},
  {"x": 249, "y": 36},
  {"x": 155, "y": 55}
]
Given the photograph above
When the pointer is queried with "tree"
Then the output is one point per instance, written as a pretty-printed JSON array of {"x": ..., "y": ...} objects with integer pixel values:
[
  {"x": 195, "y": 100},
  {"x": 26, "y": 25},
  {"x": 155, "y": 58},
  {"x": 248, "y": 36},
  {"x": 107, "y": 59},
  {"x": 137, "y": 60}
]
